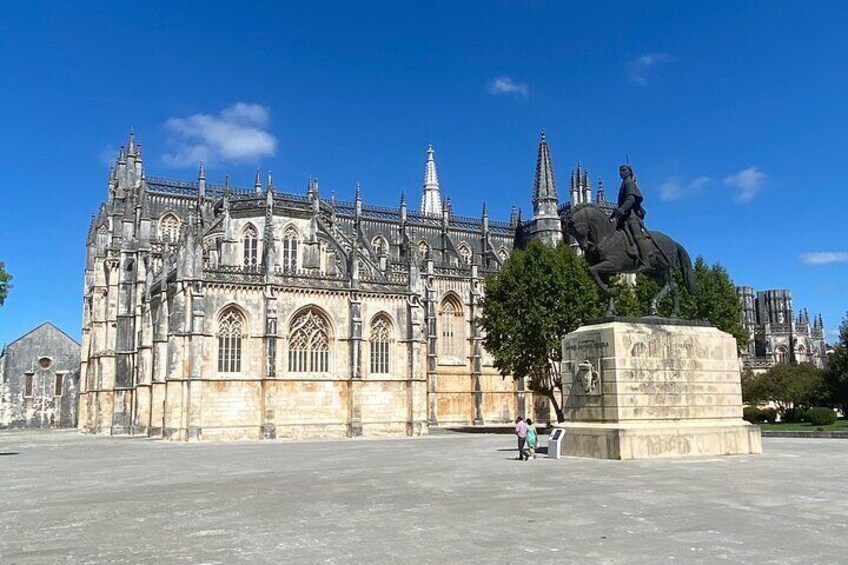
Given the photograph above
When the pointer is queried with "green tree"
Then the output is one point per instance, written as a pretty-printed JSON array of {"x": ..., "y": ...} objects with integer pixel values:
[
  {"x": 5, "y": 285},
  {"x": 789, "y": 387},
  {"x": 717, "y": 301},
  {"x": 836, "y": 375},
  {"x": 539, "y": 296}
]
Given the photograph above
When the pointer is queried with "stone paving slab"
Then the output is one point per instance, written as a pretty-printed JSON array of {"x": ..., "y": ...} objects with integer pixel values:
[{"x": 454, "y": 498}]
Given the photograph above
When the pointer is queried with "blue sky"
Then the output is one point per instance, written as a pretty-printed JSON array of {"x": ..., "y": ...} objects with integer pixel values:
[{"x": 733, "y": 115}]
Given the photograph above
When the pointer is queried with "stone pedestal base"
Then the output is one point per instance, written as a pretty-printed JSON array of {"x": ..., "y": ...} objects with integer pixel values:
[
  {"x": 646, "y": 388},
  {"x": 648, "y": 440}
]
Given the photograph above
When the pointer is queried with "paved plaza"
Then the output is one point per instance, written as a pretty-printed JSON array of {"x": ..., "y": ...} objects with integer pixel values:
[{"x": 449, "y": 498}]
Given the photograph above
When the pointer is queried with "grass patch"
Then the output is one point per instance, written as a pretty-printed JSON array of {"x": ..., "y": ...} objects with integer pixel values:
[{"x": 839, "y": 425}]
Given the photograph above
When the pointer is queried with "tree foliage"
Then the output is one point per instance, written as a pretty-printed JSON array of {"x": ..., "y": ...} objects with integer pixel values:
[
  {"x": 539, "y": 296},
  {"x": 836, "y": 375},
  {"x": 789, "y": 387},
  {"x": 717, "y": 302},
  {"x": 5, "y": 285}
]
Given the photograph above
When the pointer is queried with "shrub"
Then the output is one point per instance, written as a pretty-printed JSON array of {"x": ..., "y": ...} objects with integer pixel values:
[
  {"x": 768, "y": 415},
  {"x": 752, "y": 414},
  {"x": 794, "y": 415},
  {"x": 821, "y": 416}
]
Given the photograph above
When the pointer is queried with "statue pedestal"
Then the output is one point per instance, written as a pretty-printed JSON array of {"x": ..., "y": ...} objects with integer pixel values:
[{"x": 640, "y": 388}]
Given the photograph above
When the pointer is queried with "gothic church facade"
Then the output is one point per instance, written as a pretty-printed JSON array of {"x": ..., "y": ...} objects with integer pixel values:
[{"x": 217, "y": 312}]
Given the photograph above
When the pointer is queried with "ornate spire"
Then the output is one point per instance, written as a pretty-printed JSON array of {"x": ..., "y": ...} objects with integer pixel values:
[
  {"x": 131, "y": 144},
  {"x": 545, "y": 199},
  {"x": 431, "y": 201},
  {"x": 601, "y": 197},
  {"x": 257, "y": 184},
  {"x": 201, "y": 182}
]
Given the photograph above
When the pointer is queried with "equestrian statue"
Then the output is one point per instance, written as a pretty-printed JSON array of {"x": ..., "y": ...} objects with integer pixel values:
[{"x": 620, "y": 243}]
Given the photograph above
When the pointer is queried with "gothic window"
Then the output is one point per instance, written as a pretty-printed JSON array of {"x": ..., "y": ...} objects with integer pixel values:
[
  {"x": 423, "y": 250},
  {"x": 380, "y": 246},
  {"x": 381, "y": 331},
  {"x": 249, "y": 241},
  {"x": 57, "y": 384},
  {"x": 28, "y": 384},
  {"x": 309, "y": 343},
  {"x": 451, "y": 327},
  {"x": 230, "y": 332},
  {"x": 781, "y": 354},
  {"x": 169, "y": 227},
  {"x": 464, "y": 254},
  {"x": 503, "y": 254},
  {"x": 290, "y": 243}
]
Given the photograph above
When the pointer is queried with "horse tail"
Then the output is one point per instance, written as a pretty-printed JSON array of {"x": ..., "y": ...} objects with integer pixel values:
[{"x": 687, "y": 270}]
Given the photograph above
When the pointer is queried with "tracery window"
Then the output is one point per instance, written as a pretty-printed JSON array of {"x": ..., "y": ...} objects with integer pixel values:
[
  {"x": 229, "y": 342},
  {"x": 249, "y": 241},
  {"x": 781, "y": 354},
  {"x": 381, "y": 331},
  {"x": 465, "y": 254},
  {"x": 451, "y": 327},
  {"x": 423, "y": 250},
  {"x": 380, "y": 246},
  {"x": 309, "y": 343},
  {"x": 169, "y": 227},
  {"x": 290, "y": 244}
]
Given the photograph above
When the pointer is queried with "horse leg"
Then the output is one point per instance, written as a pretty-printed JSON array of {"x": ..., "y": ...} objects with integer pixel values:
[
  {"x": 675, "y": 297},
  {"x": 602, "y": 284},
  {"x": 655, "y": 301}
]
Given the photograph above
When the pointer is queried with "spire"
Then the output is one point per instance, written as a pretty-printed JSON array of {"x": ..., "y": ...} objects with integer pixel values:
[
  {"x": 601, "y": 197},
  {"x": 257, "y": 184},
  {"x": 131, "y": 144},
  {"x": 270, "y": 186},
  {"x": 513, "y": 217},
  {"x": 545, "y": 198},
  {"x": 431, "y": 201},
  {"x": 485, "y": 210},
  {"x": 357, "y": 204},
  {"x": 201, "y": 182}
]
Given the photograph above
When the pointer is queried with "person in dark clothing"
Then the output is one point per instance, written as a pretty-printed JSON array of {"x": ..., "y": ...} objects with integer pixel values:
[{"x": 629, "y": 214}]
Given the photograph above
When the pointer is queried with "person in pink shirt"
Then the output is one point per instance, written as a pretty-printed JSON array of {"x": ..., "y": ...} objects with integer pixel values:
[{"x": 521, "y": 432}]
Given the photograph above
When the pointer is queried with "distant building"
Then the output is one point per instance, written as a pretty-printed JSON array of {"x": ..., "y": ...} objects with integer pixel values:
[
  {"x": 776, "y": 335},
  {"x": 39, "y": 380}
]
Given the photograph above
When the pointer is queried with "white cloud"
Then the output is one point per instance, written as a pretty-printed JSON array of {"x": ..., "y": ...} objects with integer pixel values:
[
  {"x": 639, "y": 69},
  {"x": 674, "y": 189},
  {"x": 824, "y": 257},
  {"x": 238, "y": 133},
  {"x": 747, "y": 182},
  {"x": 505, "y": 85}
]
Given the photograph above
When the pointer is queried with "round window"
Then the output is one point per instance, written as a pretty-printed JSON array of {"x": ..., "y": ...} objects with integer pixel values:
[{"x": 45, "y": 362}]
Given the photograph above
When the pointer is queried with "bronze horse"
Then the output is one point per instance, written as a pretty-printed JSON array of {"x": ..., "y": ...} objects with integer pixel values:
[{"x": 606, "y": 251}]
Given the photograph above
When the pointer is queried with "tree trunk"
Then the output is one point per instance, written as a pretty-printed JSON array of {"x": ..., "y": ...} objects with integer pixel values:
[{"x": 560, "y": 416}]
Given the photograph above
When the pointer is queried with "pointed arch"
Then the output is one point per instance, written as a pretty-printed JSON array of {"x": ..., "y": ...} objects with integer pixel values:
[
  {"x": 169, "y": 227},
  {"x": 250, "y": 245},
  {"x": 231, "y": 331},
  {"x": 451, "y": 332},
  {"x": 309, "y": 341},
  {"x": 291, "y": 244},
  {"x": 380, "y": 245},
  {"x": 380, "y": 336},
  {"x": 423, "y": 249},
  {"x": 465, "y": 254}
]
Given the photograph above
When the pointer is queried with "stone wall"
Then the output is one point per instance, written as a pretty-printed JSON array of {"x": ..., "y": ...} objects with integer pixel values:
[{"x": 43, "y": 355}]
